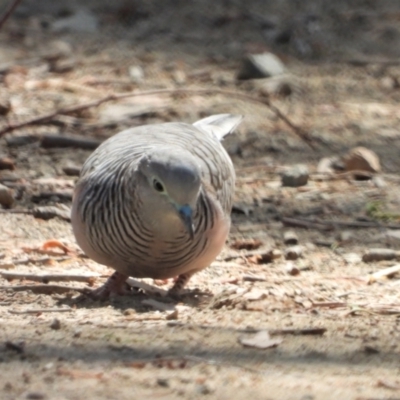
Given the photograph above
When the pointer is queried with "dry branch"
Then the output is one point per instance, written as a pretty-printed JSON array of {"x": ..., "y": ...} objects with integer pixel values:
[
  {"x": 49, "y": 141},
  {"x": 330, "y": 225},
  {"x": 13, "y": 5},
  {"x": 191, "y": 92},
  {"x": 49, "y": 277},
  {"x": 40, "y": 311},
  {"x": 44, "y": 289},
  {"x": 383, "y": 273}
]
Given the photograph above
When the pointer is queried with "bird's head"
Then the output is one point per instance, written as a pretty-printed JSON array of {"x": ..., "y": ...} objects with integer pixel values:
[{"x": 173, "y": 182}]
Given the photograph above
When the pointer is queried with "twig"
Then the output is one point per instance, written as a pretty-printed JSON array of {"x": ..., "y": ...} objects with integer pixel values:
[
  {"x": 301, "y": 331},
  {"x": 387, "y": 385},
  {"x": 301, "y": 223},
  {"x": 284, "y": 331},
  {"x": 50, "y": 277},
  {"x": 43, "y": 212},
  {"x": 253, "y": 278},
  {"x": 145, "y": 286},
  {"x": 112, "y": 97},
  {"x": 44, "y": 289},
  {"x": 40, "y": 311},
  {"x": 41, "y": 260},
  {"x": 329, "y": 225},
  {"x": 383, "y": 273},
  {"x": 330, "y": 304},
  {"x": 65, "y": 195},
  {"x": 8, "y": 12},
  {"x": 49, "y": 141}
]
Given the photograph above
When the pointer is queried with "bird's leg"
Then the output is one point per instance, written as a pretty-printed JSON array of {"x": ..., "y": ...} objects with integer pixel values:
[
  {"x": 179, "y": 284},
  {"x": 115, "y": 284}
]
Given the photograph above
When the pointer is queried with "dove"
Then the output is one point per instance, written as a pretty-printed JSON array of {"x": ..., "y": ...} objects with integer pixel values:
[{"x": 154, "y": 201}]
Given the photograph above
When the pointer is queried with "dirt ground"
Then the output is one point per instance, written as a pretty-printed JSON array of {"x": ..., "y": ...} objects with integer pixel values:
[{"x": 334, "y": 328}]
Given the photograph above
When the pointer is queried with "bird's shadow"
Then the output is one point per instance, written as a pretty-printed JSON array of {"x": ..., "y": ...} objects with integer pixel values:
[{"x": 135, "y": 300}]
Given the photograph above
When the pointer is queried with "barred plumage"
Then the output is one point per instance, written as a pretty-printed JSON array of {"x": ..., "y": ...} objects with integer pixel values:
[{"x": 154, "y": 201}]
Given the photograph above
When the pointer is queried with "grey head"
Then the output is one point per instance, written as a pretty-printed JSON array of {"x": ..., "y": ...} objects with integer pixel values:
[{"x": 170, "y": 186}]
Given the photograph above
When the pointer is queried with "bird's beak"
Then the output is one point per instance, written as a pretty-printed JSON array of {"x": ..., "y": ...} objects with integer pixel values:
[{"x": 185, "y": 213}]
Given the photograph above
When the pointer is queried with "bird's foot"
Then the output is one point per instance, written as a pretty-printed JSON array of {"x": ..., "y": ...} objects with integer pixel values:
[
  {"x": 115, "y": 285},
  {"x": 176, "y": 291}
]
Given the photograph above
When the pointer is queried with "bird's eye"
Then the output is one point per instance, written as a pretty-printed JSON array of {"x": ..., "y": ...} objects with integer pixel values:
[{"x": 157, "y": 185}]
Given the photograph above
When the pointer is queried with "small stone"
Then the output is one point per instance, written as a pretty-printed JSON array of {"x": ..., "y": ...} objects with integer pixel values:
[
  {"x": 6, "y": 196},
  {"x": 56, "y": 324},
  {"x": 5, "y": 107},
  {"x": 295, "y": 176},
  {"x": 136, "y": 73},
  {"x": 6, "y": 163},
  {"x": 290, "y": 237},
  {"x": 35, "y": 396},
  {"x": 352, "y": 258},
  {"x": 173, "y": 315},
  {"x": 179, "y": 77},
  {"x": 55, "y": 50},
  {"x": 202, "y": 389},
  {"x": 379, "y": 182},
  {"x": 277, "y": 86},
  {"x": 291, "y": 269},
  {"x": 49, "y": 212},
  {"x": 293, "y": 252},
  {"x": 77, "y": 333},
  {"x": 256, "y": 66},
  {"x": 63, "y": 66},
  {"x": 345, "y": 237},
  {"x": 362, "y": 159},
  {"x": 325, "y": 166},
  {"x": 163, "y": 382},
  {"x": 71, "y": 169},
  {"x": 389, "y": 83}
]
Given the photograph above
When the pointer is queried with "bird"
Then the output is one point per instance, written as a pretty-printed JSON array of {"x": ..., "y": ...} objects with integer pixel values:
[{"x": 154, "y": 201}]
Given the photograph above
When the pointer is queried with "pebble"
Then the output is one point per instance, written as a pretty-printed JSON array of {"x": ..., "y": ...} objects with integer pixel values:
[
  {"x": 265, "y": 65},
  {"x": 6, "y": 196},
  {"x": 290, "y": 237},
  {"x": 71, "y": 169},
  {"x": 295, "y": 176},
  {"x": 49, "y": 212},
  {"x": 5, "y": 107},
  {"x": 352, "y": 258},
  {"x": 277, "y": 86},
  {"x": 56, "y": 324},
  {"x": 136, "y": 73},
  {"x": 389, "y": 83},
  {"x": 293, "y": 252},
  {"x": 56, "y": 50},
  {"x": 202, "y": 389},
  {"x": 35, "y": 396},
  {"x": 325, "y": 166},
  {"x": 6, "y": 163}
]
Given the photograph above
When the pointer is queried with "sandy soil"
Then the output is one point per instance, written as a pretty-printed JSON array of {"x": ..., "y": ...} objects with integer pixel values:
[{"x": 338, "y": 331}]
